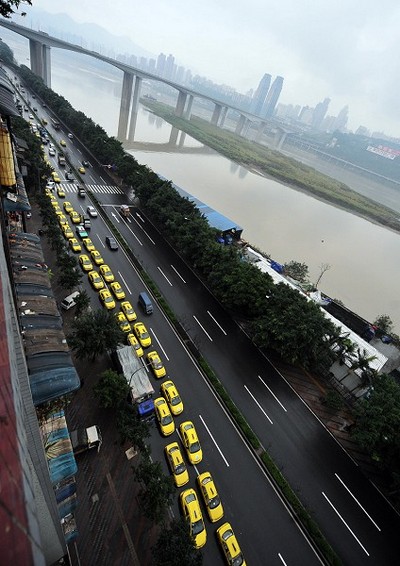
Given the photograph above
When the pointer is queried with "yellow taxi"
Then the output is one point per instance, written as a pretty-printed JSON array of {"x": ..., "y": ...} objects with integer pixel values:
[
  {"x": 107, "y": 299},
  {"x": 96, "y": 280},
  {"x": 192, "y": 513},
  {"x": 75, "y": 216},
  {"x": 141, "y": 333},
  {"x": 81, "y": 170},
  {"x": 63, "y": 143},
  {"x": 60, "y": 192},
  {"x": 210, "y": 496},
  {"x": 156, "y": 364},
  {"x": 74, "y": 245},
  {"x": 230, "y": 546},
  {"x": 122, "y": 322},
  {"x": 176, "y": 464},
  {"x": 191, "y": 442},
  {"x": 106, "y": 273},
  {"x": 85, "y": 262},
  {"x": 164, "y": 417},
  {"x": 68, "y": 207},
  {"x": 62, "y": 219},
  {"x": 170, "y": 392},
  {"x": 89, "y": 245},
  {"x": 68, "y": 233},
  {"x": 96, "y": 257},
  {"x": 56, "y": 178},
  {"x": 133, "y": 341},
  {"x": 128, "y": 311},
  {"x": 117, "y": 290}
]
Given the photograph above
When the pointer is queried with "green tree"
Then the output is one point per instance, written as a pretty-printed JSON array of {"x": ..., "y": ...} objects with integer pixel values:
[
  {"x": 175, "y": 546},
  {"x": 384, "y": 323},
  {"x": 94, "y": 333},
  {"x": 157, "y": 491},
  {"x": 6, "y": 54},
  {"x": 82, "y": 303},
  {"x": 111, "y": 389},
  {"x": 7, "y": 7},
  {"x": 131, "y": 428},
  {"x": 69, "y": 278},
  {"x": 296, "y": 270},
  {"x": 378, "y": 423}
]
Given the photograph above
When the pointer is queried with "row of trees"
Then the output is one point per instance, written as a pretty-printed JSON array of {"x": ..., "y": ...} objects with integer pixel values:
[{"x": 276, "y": 316}]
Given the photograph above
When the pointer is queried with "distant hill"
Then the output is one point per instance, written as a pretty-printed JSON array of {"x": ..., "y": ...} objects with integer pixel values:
[{"x": 90, "y": 36}]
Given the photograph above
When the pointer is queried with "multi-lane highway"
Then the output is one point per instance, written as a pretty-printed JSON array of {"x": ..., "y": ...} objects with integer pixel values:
[{"x": 355, "y": 518}]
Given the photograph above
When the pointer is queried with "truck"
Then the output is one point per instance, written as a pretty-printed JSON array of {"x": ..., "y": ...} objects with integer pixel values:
[
  {"x": 61, "y": 159},
  {"x": 83, "y": 439},
  {"x": 141, "y": 390},
  {"x": 125, "y": 210}
]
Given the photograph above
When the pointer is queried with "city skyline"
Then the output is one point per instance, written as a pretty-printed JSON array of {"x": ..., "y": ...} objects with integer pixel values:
[{"x": 344, "y": 52}]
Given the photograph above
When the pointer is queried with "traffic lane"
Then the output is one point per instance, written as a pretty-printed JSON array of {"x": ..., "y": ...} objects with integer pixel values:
[
  {"x": 250, "y": 504},
  {"x": 309, "y": 456}
]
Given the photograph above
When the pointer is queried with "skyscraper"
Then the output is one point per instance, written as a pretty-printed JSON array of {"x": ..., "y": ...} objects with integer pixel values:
[
  {"x": 161, "y": 62},
  {"x": 272, "y": 97},
  {"x": 319, "y": 113},
  {"x": 260, "y": 95},
  {"x": 341, "y": 120}
]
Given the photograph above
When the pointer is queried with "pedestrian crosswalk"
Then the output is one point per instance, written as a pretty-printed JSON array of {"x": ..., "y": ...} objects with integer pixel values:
[{"x": 102, "y": 189}]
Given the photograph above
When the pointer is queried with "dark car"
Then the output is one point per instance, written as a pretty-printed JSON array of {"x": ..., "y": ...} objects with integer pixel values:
[
  {"x": 111, "y": 243},
  {"x": 85, "y": 163}
]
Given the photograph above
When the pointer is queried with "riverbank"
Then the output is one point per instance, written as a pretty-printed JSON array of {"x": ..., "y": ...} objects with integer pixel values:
[{"x": 274, "y": 165}]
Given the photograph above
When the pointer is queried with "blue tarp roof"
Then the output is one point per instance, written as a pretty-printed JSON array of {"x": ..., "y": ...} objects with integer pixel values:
[
  {"x": 214, "y": 218},
  {"x": 58, "y": 447},
  {"x": 51, "y": 375}
]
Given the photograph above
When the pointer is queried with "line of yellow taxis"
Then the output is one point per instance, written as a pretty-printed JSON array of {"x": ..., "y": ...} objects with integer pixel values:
[{"x": 167, "y": 406}]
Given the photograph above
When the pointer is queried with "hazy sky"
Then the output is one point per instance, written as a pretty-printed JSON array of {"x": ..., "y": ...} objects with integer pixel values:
[{"x": 347, "y": 50}]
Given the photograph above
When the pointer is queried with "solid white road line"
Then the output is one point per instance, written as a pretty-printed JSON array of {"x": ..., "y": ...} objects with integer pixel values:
[
  {"x": 358, "y": 503},
  {"x": 272, "y": 393},
  {"x": 344, "y": 522},
  {"x": 103, "y": 180},
  {"x": 281, "y": 557},
  {"x": 178, "y": 274},
  {"x": 257, "y": 403},
  {"x": 215, "y": 442},
  {"x": 203, "y": 329},
  {"x": 217, "y": 323},
  {"x": 163, "y": 274},
  {"x": 115, "y": 217},
  {"x": 124, "y": 282},
  {"x": 101, "y": 241},
  {"x": 159, "y": 343},
  {"x": 143, "y": 230}
]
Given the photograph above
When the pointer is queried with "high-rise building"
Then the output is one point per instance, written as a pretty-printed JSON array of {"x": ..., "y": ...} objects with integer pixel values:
[
  {"x": 341, "y": 119},
  {"x": 170, "y": 67},
  {"x": 272, "y": 97},
  {"x": 260, "y": 95},
  {"x": 161, "y": 63},
  {"x": 319, "y": 113}
]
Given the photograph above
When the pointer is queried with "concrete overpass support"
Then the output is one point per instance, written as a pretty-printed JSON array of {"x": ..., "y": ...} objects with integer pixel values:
[
  {"x": 223, "y": 116},
  {"x": 36, "y": 56},
  {"x": 126, "y": 97},
  {"x": 173, "y": 138},
  {"x": 188, "y": 111},
  {"x": 280, "y": 138},
  {"x": 240, "y": 125},
  {"x": 135, "y": 107},
  {"x": 260, "y": 131},
  {"x": 180, "y": 104},
  {"x": 216, "y": 114},
  {"x": 46, "y": 59}
]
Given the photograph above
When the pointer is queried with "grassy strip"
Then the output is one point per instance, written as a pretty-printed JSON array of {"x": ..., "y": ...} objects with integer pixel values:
[{"x": 274, "y": 164}]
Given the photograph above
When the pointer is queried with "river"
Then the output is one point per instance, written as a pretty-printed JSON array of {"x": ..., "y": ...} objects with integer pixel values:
[{"x": 287, "y": 224}]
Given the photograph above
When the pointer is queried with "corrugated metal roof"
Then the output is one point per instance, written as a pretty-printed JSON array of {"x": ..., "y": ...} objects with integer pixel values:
[
  {"x": 214, "y": 218},
  {"x": 7, "y": 104}
]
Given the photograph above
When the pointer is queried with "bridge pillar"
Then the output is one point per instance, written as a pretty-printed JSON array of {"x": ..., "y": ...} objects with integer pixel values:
[
  {"x": 260, "y": 131},
  {"x": 281, "y": 139},
  {"x": 126, "y": 96},
  {"x": 216, "y": 114},
  {"x": 188, "y": 111},
  {"x": 36, "y": 56},
  {"x": 135, "y": 107},
  {"x": 46, "y": 59},
  {"x": 173, "y": 138},
  {"x": 240, "y": 125},
  {"x": 180, "y": 104},
  {"x": 223, "y": 116}
]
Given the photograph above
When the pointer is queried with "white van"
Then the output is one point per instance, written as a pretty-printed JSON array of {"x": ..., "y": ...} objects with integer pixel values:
[{"x": 69, "y": 301}]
